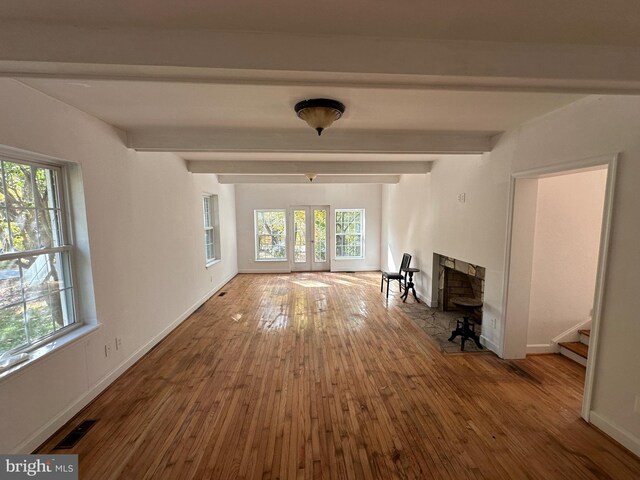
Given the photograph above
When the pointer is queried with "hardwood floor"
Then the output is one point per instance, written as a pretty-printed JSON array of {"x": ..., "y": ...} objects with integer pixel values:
[{"x": 315, "y": 376}]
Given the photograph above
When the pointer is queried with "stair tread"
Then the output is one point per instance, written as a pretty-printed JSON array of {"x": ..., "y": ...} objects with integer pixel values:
[
  {"x": 585, "y": 332},
  {"x": 577, "y": 348}
]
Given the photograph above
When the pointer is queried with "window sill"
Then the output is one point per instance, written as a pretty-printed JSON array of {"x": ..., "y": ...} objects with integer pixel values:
[
  {"x": 212, "y": 262},
  {"x": 272, "y": 260},
  {"x": 348, "y": 258},
  {"x": 43, "y": 351}
]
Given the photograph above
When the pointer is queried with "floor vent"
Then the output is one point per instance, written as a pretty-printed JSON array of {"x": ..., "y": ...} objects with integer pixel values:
[
  {"x": 75, "y": 435},
  {"x": 222, "y": 294}
]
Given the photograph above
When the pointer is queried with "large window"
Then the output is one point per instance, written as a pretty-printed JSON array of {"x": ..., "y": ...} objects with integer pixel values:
[
  {"x": 211, "y": 228},
  {"x": 271, "y": 234},
  {"x": 349, "y": 233},
  {"x": 36, "y": 296}
]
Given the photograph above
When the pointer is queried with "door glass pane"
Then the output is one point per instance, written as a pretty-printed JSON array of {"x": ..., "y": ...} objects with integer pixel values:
[
  {"x": 320, "y": 235},
  {"x": 300, "y": 236}
]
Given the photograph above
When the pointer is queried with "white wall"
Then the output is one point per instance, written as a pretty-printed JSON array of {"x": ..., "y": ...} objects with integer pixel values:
[
  {"x": 565, "y": 254},
  {"x": 472, "y": 231},
  {"x": 407, "y": 227},
  {"x": 475, "y": 231},
  {"x": 250, "y": 197},
  {"x": 144, "y": 219},
  {"x": 601, "y": 126},
  {"x": 525, "y": 204}
]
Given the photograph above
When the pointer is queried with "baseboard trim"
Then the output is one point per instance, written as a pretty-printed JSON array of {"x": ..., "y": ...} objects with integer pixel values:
[
  {"x": 490, "y": 345},
  {"x": 423, "y": 298},
  {"x": 252, "y": 270},
  {"x": 543, "y": 348},
  {"x": 41, "y": 436},
  {"x": 571, "y": 334},
  {"x": 361, "y": 269},
  {"x": 624, "y": 438}
]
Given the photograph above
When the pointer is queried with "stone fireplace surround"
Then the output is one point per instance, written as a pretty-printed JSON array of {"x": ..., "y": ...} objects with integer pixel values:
[{"x": 457, "y": 278}]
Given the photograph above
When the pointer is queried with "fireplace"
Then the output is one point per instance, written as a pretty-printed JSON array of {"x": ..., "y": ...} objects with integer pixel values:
[{"x": 457, "y": 278}]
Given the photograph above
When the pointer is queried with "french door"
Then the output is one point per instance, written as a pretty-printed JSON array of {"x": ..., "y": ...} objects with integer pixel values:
[{"x": 310, "y": 238}]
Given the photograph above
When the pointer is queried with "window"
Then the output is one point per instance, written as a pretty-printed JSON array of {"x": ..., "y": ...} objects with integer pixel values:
[
  {"x": 271, "y": 234},
  {"x": 211, "y": 228},
  {"x": 349, "y": 233},
  {"x": 36, "y": 292}
]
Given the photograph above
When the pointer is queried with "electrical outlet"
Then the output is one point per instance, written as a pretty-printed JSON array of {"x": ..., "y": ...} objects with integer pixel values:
[
  {"x": 462, "y": 197},
  {"x": 636, "y": 409},
  {"x": 118, "y": 343},
  {"x": 492, "y": 322},
  {"x": 107, "y": 350}
]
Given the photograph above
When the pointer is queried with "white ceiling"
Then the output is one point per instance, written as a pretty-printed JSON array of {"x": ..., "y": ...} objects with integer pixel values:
[
  {"x": 139, "y": 104},
  {"x": 177, "y": 109},
  {"x": 309, "y": 157},
  {"x": 604, "y": 22},
  {"x": 457, "y": 98}
]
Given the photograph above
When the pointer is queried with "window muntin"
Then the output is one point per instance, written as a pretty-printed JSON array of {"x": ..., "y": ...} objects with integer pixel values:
[
  {"x": 349, "y": 233},
  {"x": 210, "y": 220},
  {"x": 36, "y": 291},
  {"x": 271, "y": 234}
]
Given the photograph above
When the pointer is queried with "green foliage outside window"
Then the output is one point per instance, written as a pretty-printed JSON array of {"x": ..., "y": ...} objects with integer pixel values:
[
  {"x": 271, "y": 235},
  {"x": 34, "y": 266},
  {"x": 349, "y": 233}
]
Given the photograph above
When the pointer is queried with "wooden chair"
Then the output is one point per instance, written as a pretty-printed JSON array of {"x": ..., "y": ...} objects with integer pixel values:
[{"x": 400, "y": 276}]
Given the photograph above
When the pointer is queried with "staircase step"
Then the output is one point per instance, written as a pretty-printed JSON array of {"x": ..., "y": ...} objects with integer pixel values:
[
  {"x": 585, "y": 336},
  {"x": 577, "y": 348},
  {"x": 576, "y": 351}
]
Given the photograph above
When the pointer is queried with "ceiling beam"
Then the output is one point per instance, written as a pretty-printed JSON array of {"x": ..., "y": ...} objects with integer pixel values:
[
  {"x": 126, "y": 52},
  {"x": 320, "y": 179},
  {"x": 231, "y": 167},
  {"x": 305, "y": 140}
]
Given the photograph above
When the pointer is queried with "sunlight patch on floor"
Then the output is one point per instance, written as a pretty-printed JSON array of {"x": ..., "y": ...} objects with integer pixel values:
[{"x": 310, "y": 284}]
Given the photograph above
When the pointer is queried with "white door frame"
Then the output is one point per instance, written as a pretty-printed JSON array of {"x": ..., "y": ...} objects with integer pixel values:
[
  {"x": 611, "y": 162},
  {"x": 311, "y": 265}
]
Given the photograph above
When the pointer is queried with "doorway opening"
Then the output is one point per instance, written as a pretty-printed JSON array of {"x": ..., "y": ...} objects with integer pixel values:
[
  {"x": 556, "y": 259},
  {"x": 310, "y": 238}
]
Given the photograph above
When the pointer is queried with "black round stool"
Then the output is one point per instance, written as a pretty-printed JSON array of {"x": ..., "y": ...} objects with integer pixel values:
[{"x": 466, "y": 326}]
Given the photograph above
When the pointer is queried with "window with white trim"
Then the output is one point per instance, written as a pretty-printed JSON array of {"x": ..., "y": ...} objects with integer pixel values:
[
  {"x": 211, "y": 228},
  {"x": 36, "y": 288},
  {"x": 349, "y": 233},
  {"x": 271, "y": 234}
]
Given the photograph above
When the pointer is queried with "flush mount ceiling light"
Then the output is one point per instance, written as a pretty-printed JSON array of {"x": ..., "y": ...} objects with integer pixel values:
[{"x": 319, "y": 113}]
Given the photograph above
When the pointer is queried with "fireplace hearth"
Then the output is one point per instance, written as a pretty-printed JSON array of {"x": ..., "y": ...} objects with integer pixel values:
[{"x": 457, "y": 278}]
